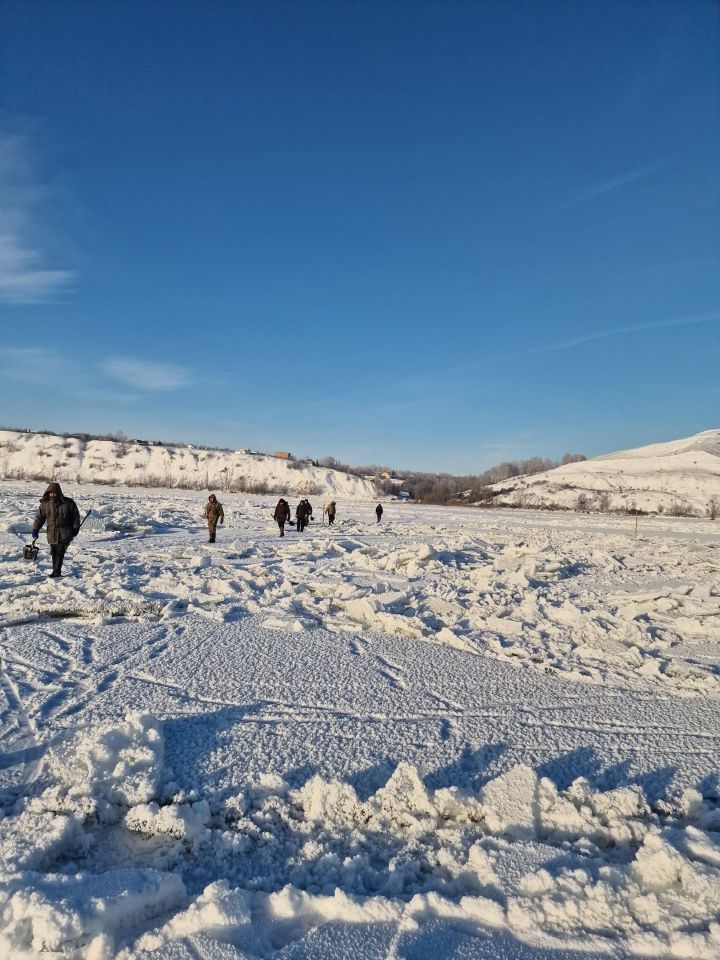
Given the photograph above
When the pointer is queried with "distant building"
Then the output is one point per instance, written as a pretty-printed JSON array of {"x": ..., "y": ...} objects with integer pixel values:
[
  {"x": 283, "y": 455},
  {"x": 404, "y": 495}
]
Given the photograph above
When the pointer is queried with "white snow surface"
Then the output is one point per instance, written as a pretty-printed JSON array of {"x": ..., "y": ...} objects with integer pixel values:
[
  {"x": 33, "y": 456},
  {"x": 681, "y": 476},
  {"x": 463, "y": 734}
]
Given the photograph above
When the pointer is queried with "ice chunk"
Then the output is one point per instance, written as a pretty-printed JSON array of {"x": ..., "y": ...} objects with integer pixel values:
[
  {"x": 510, "y": 803},
  {"x": 217, "y": 907},
  {"x": 62, "y": 912}
]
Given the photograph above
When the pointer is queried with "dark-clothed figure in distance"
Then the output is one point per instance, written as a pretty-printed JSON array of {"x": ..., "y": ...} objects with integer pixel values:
[
  {"x": 63, "y": 523},
  {"x": 213, "y": 514},
  {"x": 379, "y": 512},
  {"x": 282, "y": 515},
  {"x": 302, "y": 512},
  {"x": 330, "y": 510}
]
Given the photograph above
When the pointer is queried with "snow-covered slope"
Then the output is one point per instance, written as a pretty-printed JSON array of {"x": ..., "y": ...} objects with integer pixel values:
[
  {"x": 681, "y": 476},
  {"x": 39, "y": 456}
]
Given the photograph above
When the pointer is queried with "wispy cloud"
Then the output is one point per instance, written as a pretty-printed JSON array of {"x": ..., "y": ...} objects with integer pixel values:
[
  {"x": 692, "y": 320},
  {"x": 30, "y": 364},
  {"x": 145, "y": 374},
  {"x": 603, "y": 187},
  {"x": 25, "y": 277}
]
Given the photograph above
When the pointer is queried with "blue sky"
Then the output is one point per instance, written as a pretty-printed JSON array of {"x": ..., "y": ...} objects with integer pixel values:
[{"x": 435, "y": 235}]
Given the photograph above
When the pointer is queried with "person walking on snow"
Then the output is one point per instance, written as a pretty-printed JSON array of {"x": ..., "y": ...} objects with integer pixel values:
[
  {"x": 282, "y": 515},
  {"x": 379, "y": 512},
  {"x": 63, "y": 524},
  {"x": 330, "y": 510},
  {"x": 302, "y": 512},
  {"x": 213, "y": 514}
]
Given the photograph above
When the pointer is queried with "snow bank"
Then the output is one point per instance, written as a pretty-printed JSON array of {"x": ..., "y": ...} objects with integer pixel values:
[
  {"x": 34, "y": 456},
  {"x": 62, "y": 912},
  {"x": 608, "y": 870}
]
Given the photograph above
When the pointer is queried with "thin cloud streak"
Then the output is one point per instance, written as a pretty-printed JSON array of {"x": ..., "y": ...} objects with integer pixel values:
[
  {"x": 24, "y": 276},
  {"x": 605, "y": 187},
  {"x": 602, "y": 335},
  {"x": 146, "y": 375}
]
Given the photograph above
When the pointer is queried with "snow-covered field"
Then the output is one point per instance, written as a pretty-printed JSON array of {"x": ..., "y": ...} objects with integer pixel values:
[
  {"x": 466, "y": 734},
  {"x": 681, "y": 476}
]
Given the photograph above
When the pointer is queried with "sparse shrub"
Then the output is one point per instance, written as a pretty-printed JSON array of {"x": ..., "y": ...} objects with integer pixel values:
[
  {"x": 582, "y": 504},
  {"x": 712, "y": 509},
  {"x": 678, "y": 509},
  {"x": 311, "y": 490}
]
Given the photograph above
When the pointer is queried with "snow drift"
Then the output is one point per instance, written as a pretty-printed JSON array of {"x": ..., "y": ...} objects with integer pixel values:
[{"x": 604, "y": 869}]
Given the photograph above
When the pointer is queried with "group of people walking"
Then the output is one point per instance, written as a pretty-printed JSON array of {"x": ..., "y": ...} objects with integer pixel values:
[
  {"x": 304, "y": 513},
  {"x": 62, "y": 517}
]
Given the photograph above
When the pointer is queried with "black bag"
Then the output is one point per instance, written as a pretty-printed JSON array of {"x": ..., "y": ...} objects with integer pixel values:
[{"x": 30, "y": 551}]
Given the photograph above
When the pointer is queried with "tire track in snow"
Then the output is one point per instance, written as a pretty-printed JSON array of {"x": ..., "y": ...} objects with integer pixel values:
[
  {"x": 70, "y": 685},
  {"x": 28, "y": 752},
  {"x": 392, "y": 672}
]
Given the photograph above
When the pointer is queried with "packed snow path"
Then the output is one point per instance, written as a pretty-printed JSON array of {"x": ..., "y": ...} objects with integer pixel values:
[{"x": 456, "y": 734}]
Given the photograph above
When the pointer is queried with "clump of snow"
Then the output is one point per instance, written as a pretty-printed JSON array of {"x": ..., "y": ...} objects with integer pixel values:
[
  {"x": 184, "y": 821},
  {"x": 217, "y": 908},
  {"x": 61, "y": 912},
  {"x": 119, "y": 763},
  {"x": 33, "y": 839}
]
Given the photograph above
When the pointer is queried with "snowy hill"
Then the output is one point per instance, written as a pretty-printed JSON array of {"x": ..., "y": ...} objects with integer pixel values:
[
  {"x": 39, "y": 456},
  {"x": 681, "y": 476}
]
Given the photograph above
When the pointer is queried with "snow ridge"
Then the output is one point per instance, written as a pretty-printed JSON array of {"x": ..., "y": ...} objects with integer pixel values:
[
  {"x": 38, "y": 456},
  {"x": 681, "y": 477}
]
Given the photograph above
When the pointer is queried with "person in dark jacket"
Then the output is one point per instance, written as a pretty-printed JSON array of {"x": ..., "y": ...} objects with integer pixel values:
[
  {"x": 213, "y": 514},
  {"x": 302, "y": 514},
  {"x": 282, "y": 515},
  {"x": 379, "y": 512},
  {"x": 330, "y": 510},
  {"x": 63, "y": 524}
]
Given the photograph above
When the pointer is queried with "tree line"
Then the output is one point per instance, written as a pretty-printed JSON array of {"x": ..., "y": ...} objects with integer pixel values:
[{"x": 450, "y": 488}]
